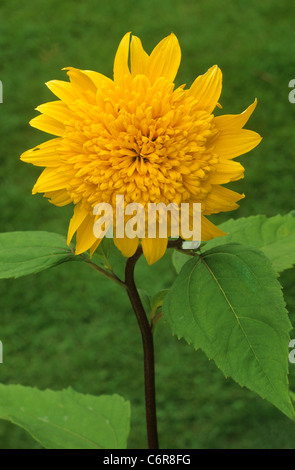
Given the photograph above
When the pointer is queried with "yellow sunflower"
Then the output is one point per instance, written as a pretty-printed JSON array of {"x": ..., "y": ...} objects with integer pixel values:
[{"x": 140, "y": 137}]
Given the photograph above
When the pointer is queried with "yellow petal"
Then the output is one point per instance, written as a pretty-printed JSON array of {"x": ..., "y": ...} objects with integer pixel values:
[
  {"x": 221, "y": 199},
  {"x": 94, "y": 246},
  {"x": 59, "y": 198},
  {"x": 98, "y": 79},
  {"x": 83, "y": 85},
  {"x": 207, "y": 89},
  {"x": 48, "y": 124},
  {"x": 210, "y": 230},
  {"x": 79, "y": 216},
  {"x": 232, "y": 143},
  {"x": 226, "y": 171},
  {"x": 127, "y": 246},
  {"x": 121, "y": 60},
  {"x": 154, "y": 248},
  {"x": 85, "y": 237},
  {"x": 165, "y": 59},
  {"x": 57, "y": 110},
  {"x": 237, "y": 121},
  {"x": 80, "y": 80},
  {"x": 63, "y": 90},
  {"x": 138, "y": 57},
  {"x": 45, "y": 154},
  {"x": 50, "y": 180}
]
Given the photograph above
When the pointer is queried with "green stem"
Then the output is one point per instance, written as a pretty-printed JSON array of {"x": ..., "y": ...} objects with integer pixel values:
[
  {"x": 147, "y": 336},
  {"x": 148, "y": 351},
  {"x": 109, "y": 274}
]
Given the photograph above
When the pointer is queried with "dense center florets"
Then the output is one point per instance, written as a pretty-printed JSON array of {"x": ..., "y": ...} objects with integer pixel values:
[{"x": 145, "y": 141}]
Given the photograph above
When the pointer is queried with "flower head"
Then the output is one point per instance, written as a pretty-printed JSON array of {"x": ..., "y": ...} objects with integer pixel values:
[{"x": 140, "y": 137}]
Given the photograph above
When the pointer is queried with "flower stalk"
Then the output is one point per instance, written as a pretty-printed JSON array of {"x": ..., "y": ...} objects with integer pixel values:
[
  {"x": 148, "y": 351},
  {"x": 146, "y": 330}
]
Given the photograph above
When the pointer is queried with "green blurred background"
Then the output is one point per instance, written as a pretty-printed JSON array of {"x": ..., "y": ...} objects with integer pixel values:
[{"x": 71, "y": 327}]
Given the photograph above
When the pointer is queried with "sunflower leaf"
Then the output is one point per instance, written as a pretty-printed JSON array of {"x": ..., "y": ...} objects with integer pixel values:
[
  {"x": 228, "y": 302},
  {"x": 145, "y": 298},
  {"x": 23, "y": 253},
  {"x": 275, "y": 236},
  {"x": 157, "y": 300},
  {"x": 179, "y": 259},
  {"x": 67, "y": 419},
  {"x": 104, "y": 248}
]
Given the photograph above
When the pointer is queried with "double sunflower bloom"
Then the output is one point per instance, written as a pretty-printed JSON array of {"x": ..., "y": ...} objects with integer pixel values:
[{"x": 139, "y": 137}]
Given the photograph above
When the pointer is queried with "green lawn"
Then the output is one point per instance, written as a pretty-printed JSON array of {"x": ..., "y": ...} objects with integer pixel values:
[{"x": 70, "y": 327}]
